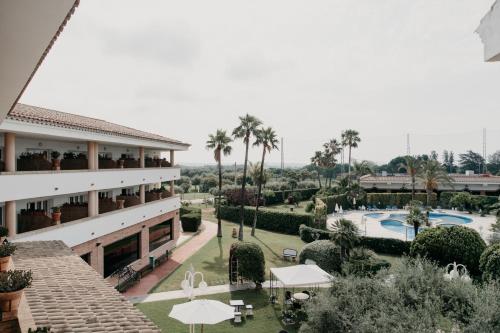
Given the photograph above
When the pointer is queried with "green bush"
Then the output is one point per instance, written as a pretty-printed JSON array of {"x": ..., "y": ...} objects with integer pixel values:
[
  {"x": 383, "y": 200},
  {"x": 489, "y": 263},
  {"x": 7, "y": 249},
  {"x": 191, "y": 222},
  {"x": 332, "y": 200},
  {"x": 363, "y": 262},
  {"x": 309, "y": 207},
  {"x": 251, "y": 261},
  {"x": 15, "y": 280},
  {"x": 379, "y": 245},
  {"x": 482, "y": 201},
  {"x": 189, "y": 209},
  {"x": 447, "y": 245},
  {"x": 325, "y": 253},
  {"x": 268, "y": 219}
]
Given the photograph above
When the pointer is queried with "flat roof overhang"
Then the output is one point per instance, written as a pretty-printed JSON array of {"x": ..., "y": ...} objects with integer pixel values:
[
  {"x": 28, "y": 29},
  {"x": 489, "y": 32}
]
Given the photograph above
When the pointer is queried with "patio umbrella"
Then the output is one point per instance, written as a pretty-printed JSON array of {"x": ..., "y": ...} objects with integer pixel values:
[
  {"x": 341, "y": 210},
  {"x": 201, "y": 311},
  {"x": 336, "y": 207}
]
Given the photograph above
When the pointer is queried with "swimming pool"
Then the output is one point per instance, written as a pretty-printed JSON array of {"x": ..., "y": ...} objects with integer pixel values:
[
  {"x": 374, "y": 215},
  {"x": 395, "y": 222}
]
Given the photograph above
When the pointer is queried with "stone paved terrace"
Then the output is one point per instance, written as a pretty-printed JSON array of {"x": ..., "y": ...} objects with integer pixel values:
[{"x": 69, "y": 296}]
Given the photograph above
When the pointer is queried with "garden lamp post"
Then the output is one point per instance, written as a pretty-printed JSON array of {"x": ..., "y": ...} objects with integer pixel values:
[
  {"x": 457, "y": 272},
  {"x": 188, "y": 283}
]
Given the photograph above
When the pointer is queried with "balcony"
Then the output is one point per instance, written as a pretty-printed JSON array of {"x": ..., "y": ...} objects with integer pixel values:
[
  {"x": 84, "y": 230},
  {"x": 25, "y": 185}
]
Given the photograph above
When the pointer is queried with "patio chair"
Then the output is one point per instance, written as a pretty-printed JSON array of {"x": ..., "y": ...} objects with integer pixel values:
[
  {"x": 249, "y": 310},
  {"x": 237, "y": 317},
  {"x": 289, "y": 254}
]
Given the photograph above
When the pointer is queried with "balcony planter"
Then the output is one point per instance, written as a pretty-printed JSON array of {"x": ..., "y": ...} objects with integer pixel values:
[
  {"x": 56, "y": 163},
  {"x": 12, "y": 285},
  {"x": 121, "y": 164},
  {"x": 4, "y": 232},
  {"x": 120, "y": 203},
  {"x": 6, "y": 251},
  {"x": 33, "y": 162},
  {"x": 56, "y": 215}
]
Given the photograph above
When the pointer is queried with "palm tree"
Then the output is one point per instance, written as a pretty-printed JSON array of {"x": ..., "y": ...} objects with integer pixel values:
[
  {"x": 350, "y": 138},
  {"x": 345, "y": 235},
  {"x": 220, "y": 143},
  {"x": 412, "y": 167},
  {"x": 317, "y": 161},
  {"x": 362, "y": 168},
  {"x": 265, "y": 137},
  {"x": 248, "y": 126},
  {"x": 431, "y": 175},
  {"x": 330, "y": 150}
]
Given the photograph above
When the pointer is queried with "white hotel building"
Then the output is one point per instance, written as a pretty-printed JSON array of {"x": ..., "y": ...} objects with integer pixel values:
[{"x": 112, "y": 183}]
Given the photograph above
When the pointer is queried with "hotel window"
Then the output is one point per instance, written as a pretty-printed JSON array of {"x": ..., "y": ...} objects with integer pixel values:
[
  {"x": 160, "y": 234},
  {"x": 77, "y": 199},
  {"x": 105, "y": 195},
  {"x": 120, "y": 254},
  {"x": 37, "y": 205}
]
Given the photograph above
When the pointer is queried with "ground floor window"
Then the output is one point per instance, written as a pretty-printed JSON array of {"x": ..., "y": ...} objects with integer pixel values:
[
  {"x": 86, "y": 257},
  {"x": 160, "y": 234},
  {"x": 121, "y": 253}
]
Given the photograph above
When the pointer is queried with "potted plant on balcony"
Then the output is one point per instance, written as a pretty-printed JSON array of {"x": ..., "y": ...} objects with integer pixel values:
[
  {"x": 4, "y": 232},
  {"x": 6, "y": 250},
  {"x": 56, "y": 162},
  {"x": 121, "y": 163},
  {"x": 12, "y": 285},
  {"x": 56, "y": 214}
]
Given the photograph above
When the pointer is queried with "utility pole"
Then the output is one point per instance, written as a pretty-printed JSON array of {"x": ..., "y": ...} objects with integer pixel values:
[
  {"x": 235, "y": 174},
  {"x": 282, "y": 157},
  {"x": 485, "y": 169},
  {"x": 408, "y": 150}
]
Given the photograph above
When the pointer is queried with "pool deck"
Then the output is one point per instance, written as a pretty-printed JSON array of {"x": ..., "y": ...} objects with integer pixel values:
[{"x": 374, "y": 229}]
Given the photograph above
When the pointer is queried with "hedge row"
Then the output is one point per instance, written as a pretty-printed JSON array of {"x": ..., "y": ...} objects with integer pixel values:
[
  {"x": 339, "y": 199},
  {"x": 483, "y": 200},
  {"x": 190, "y": 218},
  {"x": 379, "y": 245},
  {"x": 267, "y": 219},
  {"x": 280, "y": 196},
  {"x": 383, "y": 200}
]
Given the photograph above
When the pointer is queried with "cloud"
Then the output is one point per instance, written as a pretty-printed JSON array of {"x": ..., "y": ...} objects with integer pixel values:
[{"x": 174, "y": 44}]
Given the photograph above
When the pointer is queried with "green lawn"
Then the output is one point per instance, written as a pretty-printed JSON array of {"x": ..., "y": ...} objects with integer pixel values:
[
  {"x": 286, "y": 207},
  {"x": 213, "y": 258},
  {"x": 195, "y": 195},
  {"x": 267, "y": 317}
]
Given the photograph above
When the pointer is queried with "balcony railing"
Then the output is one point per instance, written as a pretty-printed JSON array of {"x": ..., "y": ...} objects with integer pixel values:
[
  {"x": 74, "y": 211},
  {"x": 29, "y": 220}
]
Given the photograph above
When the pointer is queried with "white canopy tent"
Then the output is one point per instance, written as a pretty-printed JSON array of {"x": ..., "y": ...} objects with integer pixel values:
[{"x": 298, "y": 276}]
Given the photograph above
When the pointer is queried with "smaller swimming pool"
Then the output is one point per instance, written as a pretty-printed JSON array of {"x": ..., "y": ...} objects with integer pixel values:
[
  {"x": 399, "y": 227},
  {"x": 374, "y": 215}
]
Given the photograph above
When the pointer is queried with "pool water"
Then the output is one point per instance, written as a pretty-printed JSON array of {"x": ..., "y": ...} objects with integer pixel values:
[
  {"x": 374, "y": 215},
  {"x": 395, "y": 222}
]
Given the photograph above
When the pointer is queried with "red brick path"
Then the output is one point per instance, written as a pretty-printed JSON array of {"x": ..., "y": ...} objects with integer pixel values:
[{"x": 178, "y": 257}]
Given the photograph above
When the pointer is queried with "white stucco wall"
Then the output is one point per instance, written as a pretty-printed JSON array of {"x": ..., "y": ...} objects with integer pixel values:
[{"x": 489, "y": 31}]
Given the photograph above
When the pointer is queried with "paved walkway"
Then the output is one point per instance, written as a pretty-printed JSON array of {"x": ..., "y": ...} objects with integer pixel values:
[{"x": 179, "y": 255}]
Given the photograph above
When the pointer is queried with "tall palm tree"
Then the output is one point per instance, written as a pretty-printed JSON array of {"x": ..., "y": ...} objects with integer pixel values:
[
  {"x": 431, "y": 175},
  {"x": 248, "y": 126},
  {"x": 330, "y": 149},
  {"x": 317, "y": 161},
  {"x": 412, "y": 166},
  {"x": 220, "y": 143},
  {"x": 350, "y": 138},
  {"x": 265, "y": 137}
]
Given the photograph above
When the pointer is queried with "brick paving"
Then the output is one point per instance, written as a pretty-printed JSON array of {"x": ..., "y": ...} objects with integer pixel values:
[{"x": 178, "y": 257}]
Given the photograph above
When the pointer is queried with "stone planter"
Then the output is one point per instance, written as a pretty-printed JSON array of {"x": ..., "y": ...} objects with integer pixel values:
[
  {"x": 56, "y": 217},
  {"x": 120, "y": 203},
  {"x": 9, "y": 303},
  {"x": 56, "y": 164},
  {"x": 4, "y": 263}
]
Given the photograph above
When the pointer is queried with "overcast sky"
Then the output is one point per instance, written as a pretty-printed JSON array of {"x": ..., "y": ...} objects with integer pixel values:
[{"x": 309, "y": 69}]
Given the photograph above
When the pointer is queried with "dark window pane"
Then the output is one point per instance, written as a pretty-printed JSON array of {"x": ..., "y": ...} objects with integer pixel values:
[
  {"x": 160, "y": 234},
  {"x": 120, "y": 254}
]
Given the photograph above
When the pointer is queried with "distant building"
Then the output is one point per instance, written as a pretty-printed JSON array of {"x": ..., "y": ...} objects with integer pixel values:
[
  {"x": 489, "y": 31},
  {"x": 478, "y": 184}
]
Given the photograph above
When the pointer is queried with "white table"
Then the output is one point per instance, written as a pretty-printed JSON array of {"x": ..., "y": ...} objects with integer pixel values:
[
  {"x": 237, "y": 303},
  {"x": 301, "y": 296}
]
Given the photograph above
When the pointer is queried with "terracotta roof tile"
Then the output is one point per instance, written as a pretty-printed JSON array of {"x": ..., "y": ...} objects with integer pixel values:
[
  {"x": 39, "y": 115},
  {"x": 69, "y": 296}
]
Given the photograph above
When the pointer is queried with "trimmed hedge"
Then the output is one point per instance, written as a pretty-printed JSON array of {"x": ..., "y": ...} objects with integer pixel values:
[
  {"x": 325, "y": 253},
  {"x": 251, "y": 261},
  {"x": 339, "y": 199},
  {"x": 188, "y": 209},
  {"x": 191, "y": 222},
  {"x": 267, "y": 219},
  {"x": 382, "y": 200},
  {"x": 447, "y": 245},
  {"x": 489, "y": 263},
  {"x": 379, "y": 245},
  {"x": 280, "y": 196},
  {"x": 482, "y": 200}
]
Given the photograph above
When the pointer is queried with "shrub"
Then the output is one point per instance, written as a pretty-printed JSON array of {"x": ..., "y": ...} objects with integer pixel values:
[
  {"x": 324, "y": 252},
  {"x": 55, "y": 154},
  {"x": 463, "y": 201},
  {"x": 489, "y": 263},
  {"x": 383, "y": 200},
  {"x": 447, "y": 245},
  {"x": 481, "y": 201},
  {"x": 4, "y": 232},
  {"x": 379, "y": 245},
  {"x": 332, "y": 200},
  {"x": 309, "y": 207},
  {"x": 320, "y": 215},
  {"x": 186, "y": 209},
  {"x": 15, "y": 280},
  {"x": 268, "y": 219},
  {"x": 363, "y": 262},
  {"x": 268, "y": 197},
  {"x": 251, "y": 261},
  {"x": 7, "y": 249},
  {"x": 191, "y": 222},
  {"x": 294, "y": 198}
]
